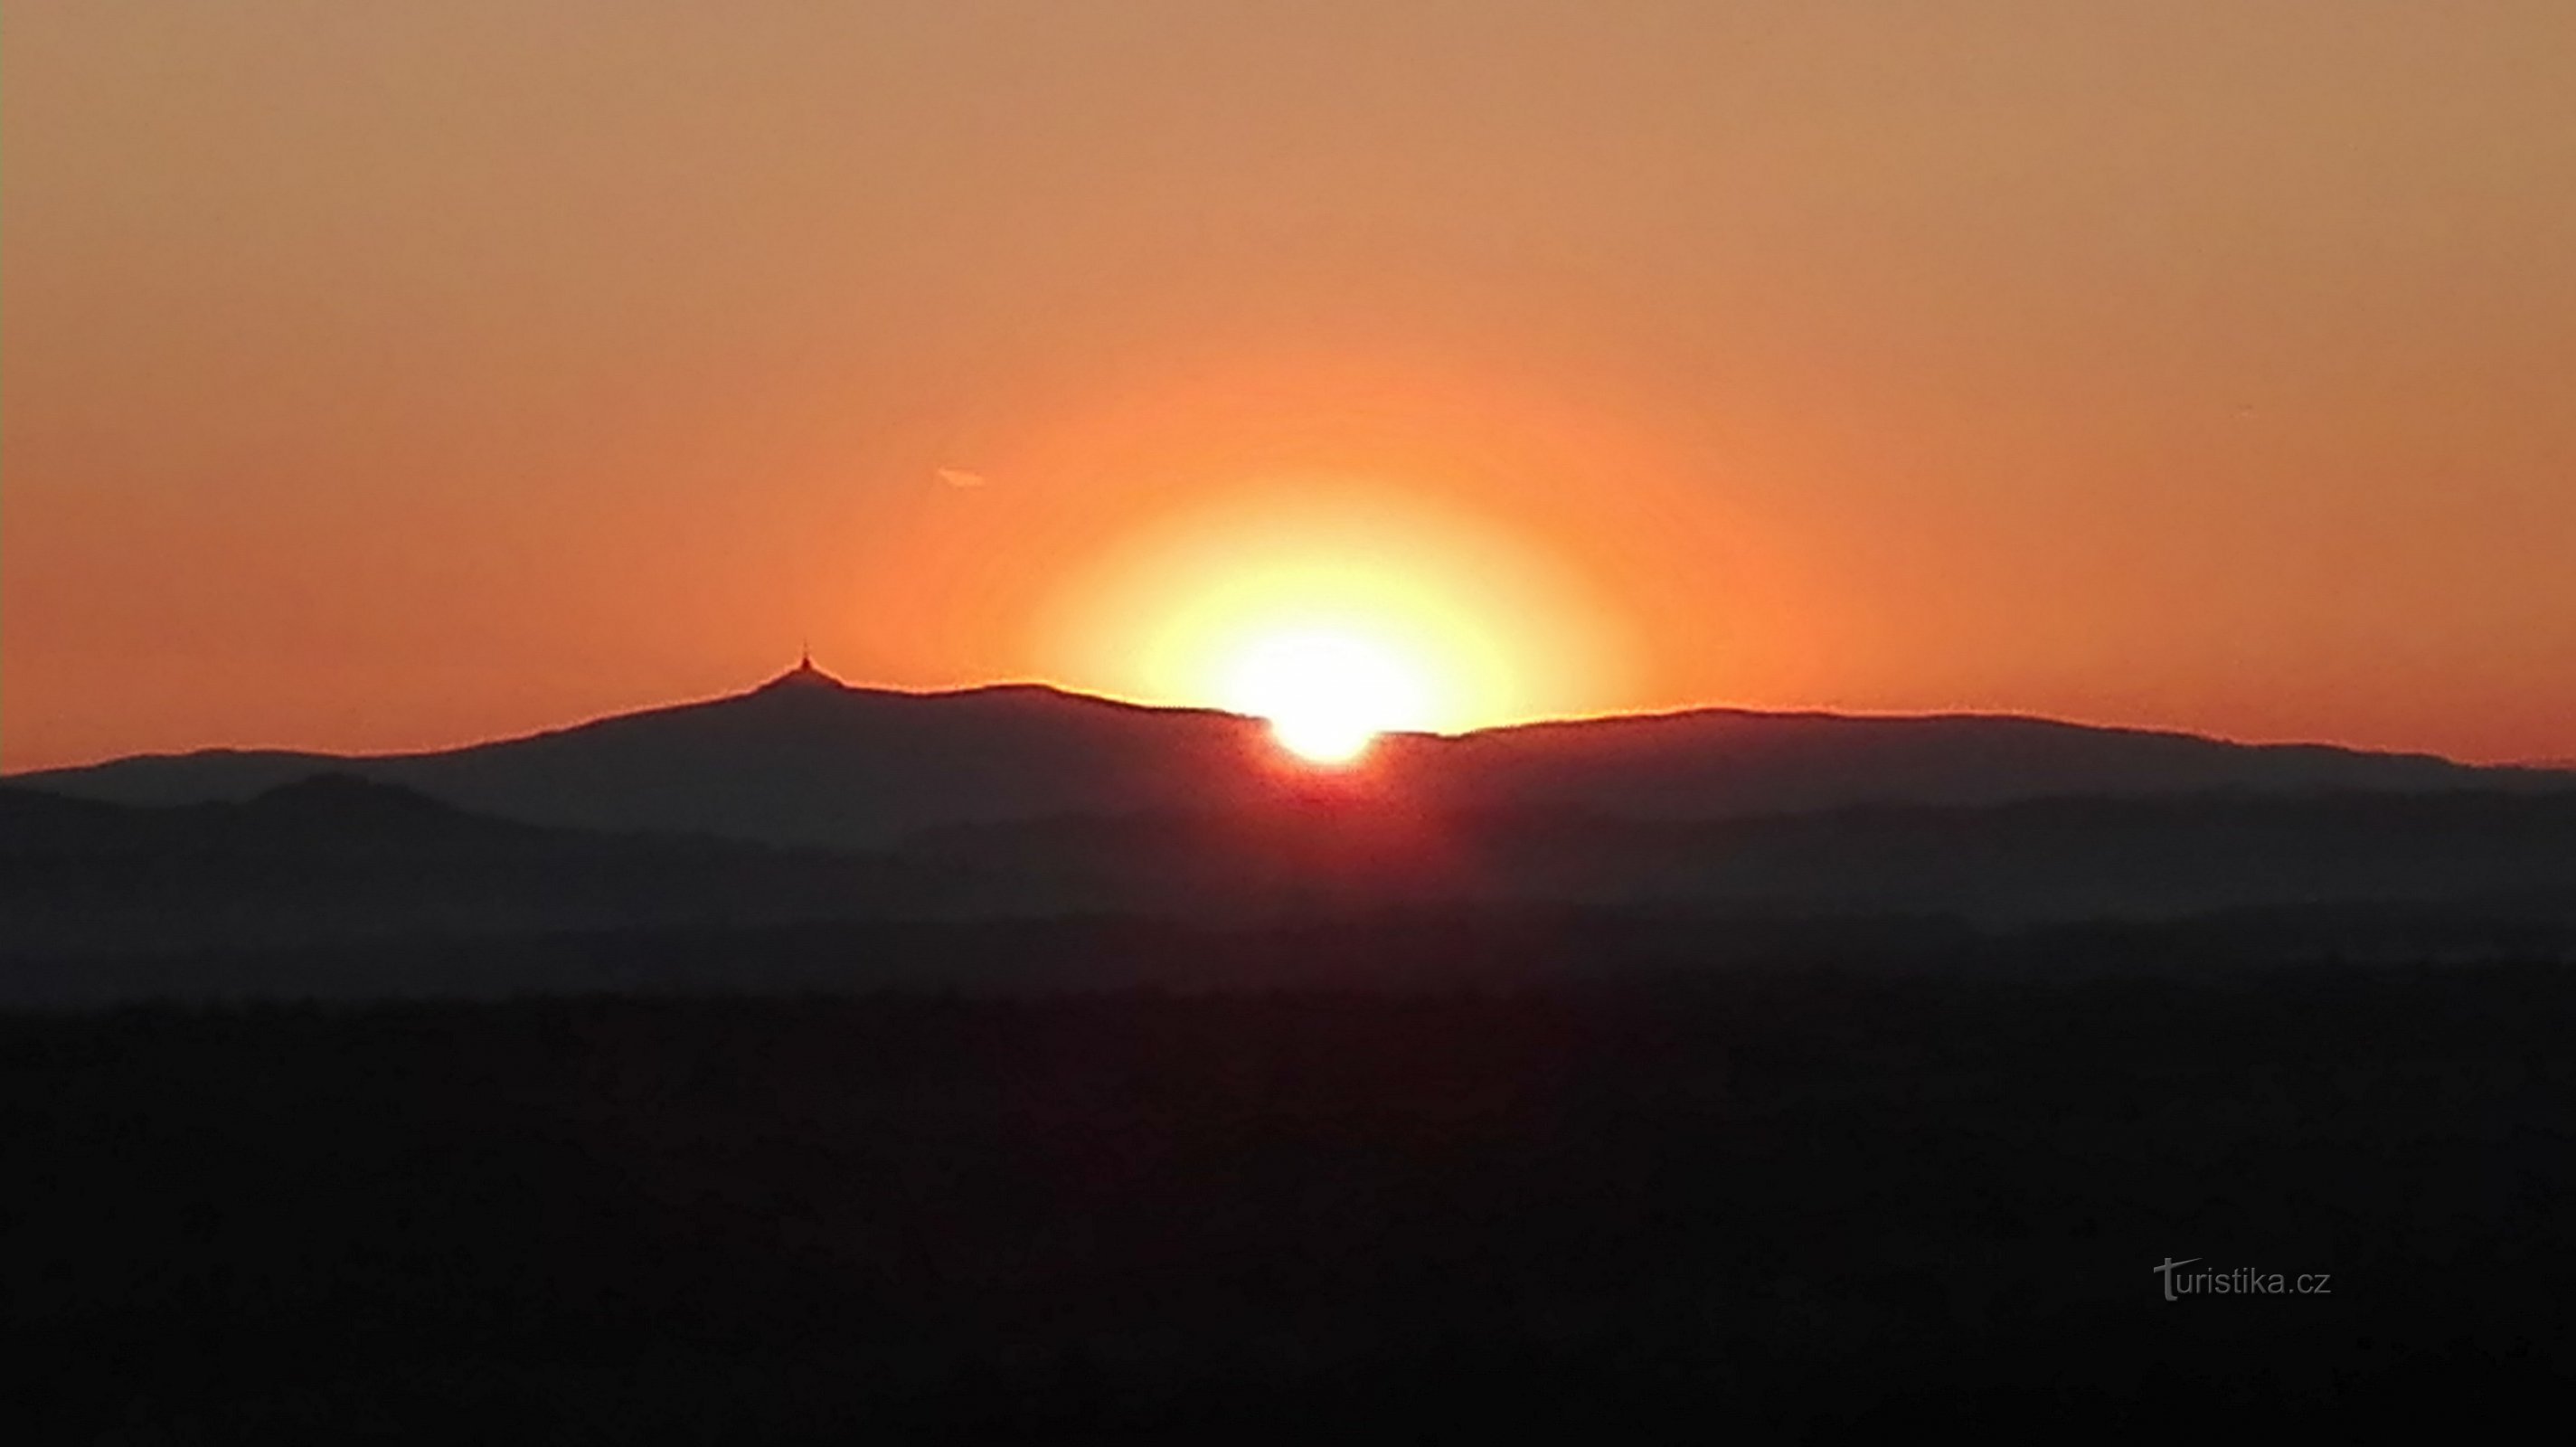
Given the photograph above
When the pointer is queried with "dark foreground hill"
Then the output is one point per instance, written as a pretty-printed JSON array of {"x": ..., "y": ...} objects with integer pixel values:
[
  {"x": 805, "y": 760},
  {"x": 1830, "y": 1199},
  {"x": 340, "y": 861}
]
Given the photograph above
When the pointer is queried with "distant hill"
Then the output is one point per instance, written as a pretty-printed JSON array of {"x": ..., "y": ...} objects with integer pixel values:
[
  {"x": 2491, "y": 856},
  {"x": 321, "y": 813},
  {"x": 337, "y": 888},
  {"x": 807, "y": 760},
  {"x": 341, "y": 858},
  {"x": 803, "y": 760},
  {"x": 337, "y": 858}
]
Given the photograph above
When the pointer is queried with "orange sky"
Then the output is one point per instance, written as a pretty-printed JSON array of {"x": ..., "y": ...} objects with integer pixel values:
[{"x": 388, "y": 376}]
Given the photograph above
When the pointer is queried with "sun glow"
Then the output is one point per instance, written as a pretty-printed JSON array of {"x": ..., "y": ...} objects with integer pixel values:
[
  {"x": 1328, "y": 692},
  {"x": 1339, "y": 611}
]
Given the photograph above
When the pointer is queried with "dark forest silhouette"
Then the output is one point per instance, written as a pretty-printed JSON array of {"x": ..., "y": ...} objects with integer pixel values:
[{"x": 1799, "y": 1198}]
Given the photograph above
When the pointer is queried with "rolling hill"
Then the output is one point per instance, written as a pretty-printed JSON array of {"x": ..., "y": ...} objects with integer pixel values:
[{"x": 807, "y": 760}]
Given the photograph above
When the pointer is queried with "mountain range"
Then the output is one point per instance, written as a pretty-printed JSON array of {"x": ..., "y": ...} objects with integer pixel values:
[
  {"x": 806, "y": 804},
  {"x": 805, "y": 760}
]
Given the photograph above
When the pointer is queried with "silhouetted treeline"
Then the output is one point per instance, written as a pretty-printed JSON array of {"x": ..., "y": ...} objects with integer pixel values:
[{"x": 1840, "y": 1193}]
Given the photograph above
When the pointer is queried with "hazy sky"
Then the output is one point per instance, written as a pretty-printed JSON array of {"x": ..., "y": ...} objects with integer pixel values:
[{"x": 387, "y": 375}]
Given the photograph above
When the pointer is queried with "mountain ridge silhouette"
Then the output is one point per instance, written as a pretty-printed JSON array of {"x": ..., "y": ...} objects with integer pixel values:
[{"x": 805, "y": 759}]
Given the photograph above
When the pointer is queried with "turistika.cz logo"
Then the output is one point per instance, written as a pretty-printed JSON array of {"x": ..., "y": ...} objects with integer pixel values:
[{"x": 2242, "y": 1281}]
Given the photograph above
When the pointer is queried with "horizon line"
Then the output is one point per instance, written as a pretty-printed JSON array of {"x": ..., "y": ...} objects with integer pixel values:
[{"x": 806, "y": 668}]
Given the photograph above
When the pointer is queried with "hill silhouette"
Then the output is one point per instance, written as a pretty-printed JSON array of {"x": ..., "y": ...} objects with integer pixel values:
[
  {"x": 808, "y": 760},
  {"x": 336, "y": 857},
  {"x": 337, "y": 861},
  {"x": 324, "y": 812},
  {"x": 2001, "y": 866}
]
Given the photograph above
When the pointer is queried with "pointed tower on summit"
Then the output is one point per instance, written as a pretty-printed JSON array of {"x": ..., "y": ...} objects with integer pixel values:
[{"x": 803, "y": 675}]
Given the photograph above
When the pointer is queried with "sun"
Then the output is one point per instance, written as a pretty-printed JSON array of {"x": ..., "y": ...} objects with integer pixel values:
[
  {"x": 1339, "y": 610},
  {"x": 1328, "y": 691}
]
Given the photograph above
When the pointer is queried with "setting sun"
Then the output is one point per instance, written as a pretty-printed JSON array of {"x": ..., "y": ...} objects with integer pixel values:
[
  {"x": 1338, "y": 609},
  {"x": 1326, "y": 691}
]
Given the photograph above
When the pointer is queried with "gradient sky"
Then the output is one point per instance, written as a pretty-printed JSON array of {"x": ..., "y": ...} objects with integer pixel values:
[{"x": 383, "y": 376}]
